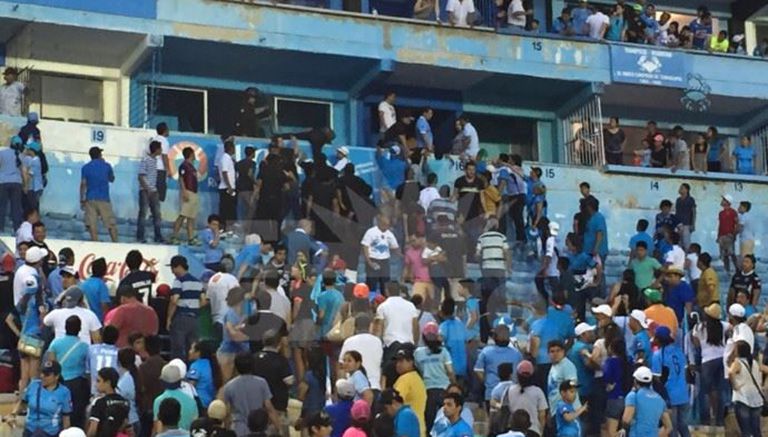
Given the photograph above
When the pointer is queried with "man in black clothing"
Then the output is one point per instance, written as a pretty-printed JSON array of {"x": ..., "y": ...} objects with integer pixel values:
[
  {"x": 399, "y": 132},
  {"x": 253, "y": 115},
  {"x": 38, "y": 240},
  {"x": 245, "y": 184},
  {"x": 110, "y": 407},
  {"x": 317, "y": 138},
  {"x": 139, "y": 280},
  {"x": 263, "y": 321},
  {"x": 467, "y": 190},
  {"x": 271, "y": 365},
  {"x": 271, "y": 182}
]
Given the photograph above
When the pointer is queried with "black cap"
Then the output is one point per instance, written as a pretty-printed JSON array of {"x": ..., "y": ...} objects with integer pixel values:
[
  {"x": 569, "y": 384},
  {"x": 51, "y": 367},
  {"x": 95, "y": 152},
  {"x": 318, "y": 419},
  {"x": 179, "y": 261},
  {"x": 389, "y": 396}
]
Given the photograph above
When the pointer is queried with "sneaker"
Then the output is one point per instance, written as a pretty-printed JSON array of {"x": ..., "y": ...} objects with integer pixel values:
[
  {"x": 194, "y": 242},
  {"x": 174, "y": 240}
]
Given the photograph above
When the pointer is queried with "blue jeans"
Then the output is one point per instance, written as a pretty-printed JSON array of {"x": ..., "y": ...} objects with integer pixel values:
[
  {"x": 712, "y": 381},
  {"x": 10, "y": 199},
  {"x": 679, "y": 416},
  {"x": 148, "y": 201},
  {"x": 749, "y": 419}
]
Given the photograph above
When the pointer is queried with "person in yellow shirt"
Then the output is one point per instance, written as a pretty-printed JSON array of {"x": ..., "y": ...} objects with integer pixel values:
[
  {"x": 709, "y": 284},
  {"x": 411, "y": 387},
  {"x": 719, "y": 43}
]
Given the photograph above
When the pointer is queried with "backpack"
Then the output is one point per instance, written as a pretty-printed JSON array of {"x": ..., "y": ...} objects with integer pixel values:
[{"x": 499, "y": 420}]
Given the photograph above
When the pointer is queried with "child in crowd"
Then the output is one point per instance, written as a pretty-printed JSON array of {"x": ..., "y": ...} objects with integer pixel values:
[
  {"x": 211, "y": 239},
  {"x": 566, "y": 416}
]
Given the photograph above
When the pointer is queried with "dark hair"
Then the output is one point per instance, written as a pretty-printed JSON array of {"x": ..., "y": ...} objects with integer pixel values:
[
  {"x": 642, "y": 225},
  {"x": 113, "y": 423},
  {"x": 258, "y": 420},
  {"x": 642, "y": 244},
  {"x": 29, "y": 211},
  {"x": 417, "y": 300},
  {"x": 244, "y": 363},
  {"x": 99, "y": 267},
  {"x": 135, "y": 336},
  {"x": 714, "y": 328},
  {"x": 214, "y": 218},
  {"x": 555, "y": 343},
  {"x": 278, "y": 247},
  {"x": 687, "y": 186},
  {"x": 263, "y": 299},
  {"x": 457, "y": 398},
  {"x": 705, "y": 259},
  {"x": 666, "y": 203},
  {"x": 161, "y": 127},
  {"x": 208, "y": 351},
  {"x": 357, "y": 356},
  {"x": 505, "y": 371},
  {"x": 389, "y": 93},
  {"x": 72, "y": 325},
  {"x": 392, "y": 288},
  {"x": 746, "y": 204},
  {"x": 743, "y": 350},
  {"x": 316, "y": 363},
  {"x": 126, "y": 358},
  {"x": 585, "y": 184},
  {"x": 435, "y": 345},
  {"x": 188, "y": 152},
  {"x": 271, "y": 278},
  {"x": 448, "y": 308},
  {"x": 153, "y": 345},
  {"x": 133, "y": 259},
  {"x": 169, "y": 412},
  {"x": 751, "y": 257},
  {"x": 695, "y": 248},
  {"x": 110, "y": 334},
  {"x": 431, "y": 179},
  {"x": 154, "y": 146},
  {"x": 250, "y": 150},
  {"x": 110, "y": 375}
]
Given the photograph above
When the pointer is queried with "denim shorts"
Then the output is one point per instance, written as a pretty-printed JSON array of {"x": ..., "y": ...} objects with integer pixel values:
[{"x": 614, "y": 408}]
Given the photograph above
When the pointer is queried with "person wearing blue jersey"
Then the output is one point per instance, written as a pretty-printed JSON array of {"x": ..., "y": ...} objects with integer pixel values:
[
  {"x": 452, "y": 424},
  {"x": 103, "y": 354},
  {"x": 641, "y": 235},
  {"x": 455, "y": 336},
  {"x": 95, "y": 289},
  {"x": 644, "y": 408},
  {"x": 566, "y": 412},
  {"x": 204, "y": 372},
  {"x": 487, "y": 365},
  {"x": 669, "y": 364},
  {"x": 556, "y": 325},
  {"x": 186, "y": 299},
  {"x": 72, "y": 354},
  {"x": 405, "y": 420},
  {"x": 640, "y": 348},
  {"x": 49, "y": 403}
]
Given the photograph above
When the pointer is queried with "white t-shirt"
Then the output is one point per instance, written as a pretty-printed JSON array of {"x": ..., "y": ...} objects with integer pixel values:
[
  {"x": 426, "y": 196},
  {"x": 372, "y": 350},
  {"x": 549, "y": 250},
  {"x": 397, "y": 314},
  {"x": 461, "y": 9},
  {"x": 709, "y": 352},
  {"x": 676, "y": 257},
  {"x": 474, "y": 141},
  {"x": 25, "y": 277},
  {"x": 741, "y": 332},
  {"x": 694, "y": 272},
  {"x": 596, "y": 22},
  {"x": 218, "y": 288},
  {"x": 747, "y": 227},
  {"x": 58, "y": 320},
  {"x": 11, "y": 97},
  {"x": 389, "y": 117},
  {"x": 516, "y": 6},
  {"x": 340, "y": 164},
  {"x": 379, "y": 243},
  {"x": 227, "y": 164},
  {"x": 24, "y": 233},
  {"x": 280, "y": 306},
  {"x": 165, "y": 147}
]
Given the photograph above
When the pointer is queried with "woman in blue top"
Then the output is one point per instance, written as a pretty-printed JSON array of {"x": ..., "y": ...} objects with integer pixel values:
[
  {"x": 617, "y": 26},
  {"x": 129, "y": 385},
  {"x": 48, "y": 401},
  {"x": 204, "y": 372},
  {"x": 434, "y": 363},
  {"x": 32, "y": 308},
  {"x": 617, "y": 378},
  {"x": 72, "y": 355},
  {"x": 353, "y": 364},
  {"x": 233, "y": 340},
  {"x": 312, "y": 388}
]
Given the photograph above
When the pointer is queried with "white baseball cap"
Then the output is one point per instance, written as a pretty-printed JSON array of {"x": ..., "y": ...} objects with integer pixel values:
[
  {"x": 640, "y": 317},
  {"x": 737, "y": 310},
  {"x": 583, "y": 327},
  {"x": 603, "y": 309},
  {"x": 643, "y": 374},
  {"x": 728, "y": 198},
  {"x": 181, "y": 365},
  {"x": 343, "y": 150},
  {"x": 554, "y": 228},
  {"x": 35, "y": 254},
  {"x": 72, "y": 431}
]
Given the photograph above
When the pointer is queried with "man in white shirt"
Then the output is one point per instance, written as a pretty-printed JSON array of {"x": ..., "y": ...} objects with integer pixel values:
[
  {"x": 676, "y": 256},
  {"x": 740, "y": 332},
  {"x": 470, "y": 138},
  {"x": 377, "y": 244},
  {"x": 516, "y": 14},
  {"x": 24, "y": 233},
  {"x": 227, "y": 194},
  {"x": 72, "y": 305},
  {"x": 459, "y": 10},
  {"x": 27, "y": 276},
  {"x": 369, "y": 346},
  {"x": 217, "y": 290},
  {"x": 11, "y": 93},
  {"x": 387, "y": 113},
  {"x": 598, "y": 23},
  {"x": 279, "y": 305},
  {"x": 162, "y": 161},
  {"x": 397, "y": 319},
  {"x": 746, "y": 229},
  {"x": 430, "y": 193}
]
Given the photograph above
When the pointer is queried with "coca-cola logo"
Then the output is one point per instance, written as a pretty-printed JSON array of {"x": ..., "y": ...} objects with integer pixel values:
[{"x": 116, "y": 270}]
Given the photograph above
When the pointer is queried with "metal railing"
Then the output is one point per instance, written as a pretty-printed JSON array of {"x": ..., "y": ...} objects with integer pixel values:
[
  {"x": 583, "y": 132},
  {"x": 760, "y": 143}
]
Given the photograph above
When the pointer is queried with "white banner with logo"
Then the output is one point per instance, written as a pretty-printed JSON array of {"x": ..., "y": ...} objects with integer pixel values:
[{"x": 156, "y": 258}]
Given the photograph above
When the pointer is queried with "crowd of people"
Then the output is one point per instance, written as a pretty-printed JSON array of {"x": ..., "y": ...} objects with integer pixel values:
[{"x": 362, "y": 313}]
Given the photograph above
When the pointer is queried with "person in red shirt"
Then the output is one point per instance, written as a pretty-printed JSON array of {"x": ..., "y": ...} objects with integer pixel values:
[
  {"x": 132, "y": 316},
  {"x": 728, "y": 220}
]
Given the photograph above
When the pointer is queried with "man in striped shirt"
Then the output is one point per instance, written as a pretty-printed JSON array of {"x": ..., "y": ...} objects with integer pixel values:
[
  {"x": 493, "y": 255},
  {"x": 186, "y": 299},
  {"x": 148, "y": 194}
]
